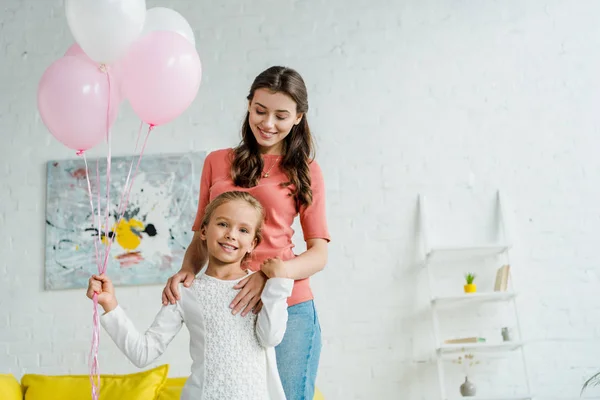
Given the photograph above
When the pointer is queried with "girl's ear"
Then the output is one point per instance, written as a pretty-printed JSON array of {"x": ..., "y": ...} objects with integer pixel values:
[
  {"x": 298, "y": 118},
  {"x": 203, "y": 233}
]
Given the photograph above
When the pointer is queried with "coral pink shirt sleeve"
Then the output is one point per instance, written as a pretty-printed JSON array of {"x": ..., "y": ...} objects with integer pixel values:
[
  {"x": 205, "y": 184},
  {"x": 313, "y": 218}
]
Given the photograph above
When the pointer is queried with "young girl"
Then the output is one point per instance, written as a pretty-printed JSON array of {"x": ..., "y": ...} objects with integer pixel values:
[
  {"x": 232, "y": 358},
  {"x": 274, "y": 162}
]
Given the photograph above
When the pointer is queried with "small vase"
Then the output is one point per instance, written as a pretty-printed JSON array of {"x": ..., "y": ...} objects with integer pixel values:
[
  {"x": 506, "y": 335},
  {"x": 468, "y": 388},
  {"x": 470, "y": 288}
]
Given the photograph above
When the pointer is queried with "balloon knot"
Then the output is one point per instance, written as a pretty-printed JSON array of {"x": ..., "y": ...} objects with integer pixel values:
[
  {"x": 103, "y": 68},
  {"x": 79, "y": 152}
]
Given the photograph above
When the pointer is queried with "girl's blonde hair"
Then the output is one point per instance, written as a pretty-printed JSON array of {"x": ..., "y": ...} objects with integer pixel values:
[{"x": 236, "y": 195}]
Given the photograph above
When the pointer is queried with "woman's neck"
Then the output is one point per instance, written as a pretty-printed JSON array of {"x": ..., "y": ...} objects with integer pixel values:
[
  {"x": 225, "y": 272},
  {"x": 275, "y": 150}
]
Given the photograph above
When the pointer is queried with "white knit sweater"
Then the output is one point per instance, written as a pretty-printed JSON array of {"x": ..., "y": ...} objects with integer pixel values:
[{"x": 233, "y": 357}]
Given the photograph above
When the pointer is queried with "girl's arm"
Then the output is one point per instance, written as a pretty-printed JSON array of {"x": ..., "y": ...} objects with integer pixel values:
[
  {"x": 272, "y": 318},
  {"x": 143, "y": 348}
]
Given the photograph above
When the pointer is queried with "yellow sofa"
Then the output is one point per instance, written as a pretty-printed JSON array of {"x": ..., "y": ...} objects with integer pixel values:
[{"x": 153, "y": 384}]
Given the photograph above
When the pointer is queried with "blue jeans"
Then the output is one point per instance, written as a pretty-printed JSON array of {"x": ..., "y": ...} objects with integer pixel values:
[{"x": 299, "y": 351}]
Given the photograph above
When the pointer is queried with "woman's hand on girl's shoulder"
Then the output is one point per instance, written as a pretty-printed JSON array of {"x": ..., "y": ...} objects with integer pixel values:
[
  {"x": 171, "y": 293},
  {"x": 248, "y": 298}
]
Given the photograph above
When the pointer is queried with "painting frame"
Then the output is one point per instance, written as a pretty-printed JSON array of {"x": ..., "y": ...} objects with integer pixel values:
[{"x": 148, "y": 242}]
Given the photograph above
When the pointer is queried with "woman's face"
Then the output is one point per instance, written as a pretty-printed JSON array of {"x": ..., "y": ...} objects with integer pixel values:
[{"x": 272, "y": 116}]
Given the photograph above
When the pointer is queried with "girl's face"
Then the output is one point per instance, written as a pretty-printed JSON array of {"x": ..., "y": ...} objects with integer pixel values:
[
  {"x": 272, "y": 117},
  {"x": 231, "y": 232}
]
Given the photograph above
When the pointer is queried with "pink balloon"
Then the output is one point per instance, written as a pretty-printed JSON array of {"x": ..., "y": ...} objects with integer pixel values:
[
  {"x": 115, "y": 70},
  {"x": 73, "y": 98},
  {"x": 76, "y": 51},
  {"x": 162, "y": 74}
]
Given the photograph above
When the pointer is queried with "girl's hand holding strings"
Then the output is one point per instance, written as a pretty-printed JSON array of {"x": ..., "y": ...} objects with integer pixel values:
[{"x": 102, "y": 286}]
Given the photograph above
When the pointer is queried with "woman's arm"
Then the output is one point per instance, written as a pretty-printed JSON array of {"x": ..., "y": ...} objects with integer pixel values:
[
  {"x": 313, "y": 219},
  {"x": 195, "y": 255},
  {"x": 310, "y": 262},
  {"x": 194, "y": 259},
  {"x": 314, "y": 226},
  {"x": 143, "y": 348}
]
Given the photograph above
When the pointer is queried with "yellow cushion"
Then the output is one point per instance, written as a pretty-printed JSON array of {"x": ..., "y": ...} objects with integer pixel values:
[
  {"x": 172, "y": 389},
  {"x": 174, "y": 386},
  {"x": 139, "y": 386},
  {"x": 318, "y": 395},
  {"x": 10, "y": 388}
]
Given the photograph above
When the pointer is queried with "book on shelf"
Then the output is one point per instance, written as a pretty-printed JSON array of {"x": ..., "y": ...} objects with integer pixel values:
[
  {"x": 502, "y": 275},
  {"x": 465, "y": 340}
]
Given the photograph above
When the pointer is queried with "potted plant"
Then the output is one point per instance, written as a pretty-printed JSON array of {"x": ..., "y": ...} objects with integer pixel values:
[
  {"x": 468, "y": 388},
  {"x": 593, "y": 381},
  {"x": 470, "y": 287}
]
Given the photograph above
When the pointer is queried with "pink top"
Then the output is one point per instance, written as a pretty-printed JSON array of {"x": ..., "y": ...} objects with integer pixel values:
[{"x": 280, "y": 210}]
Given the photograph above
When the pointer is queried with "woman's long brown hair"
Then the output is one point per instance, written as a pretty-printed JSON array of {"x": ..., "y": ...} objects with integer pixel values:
[{"x": 298, "y": 147}]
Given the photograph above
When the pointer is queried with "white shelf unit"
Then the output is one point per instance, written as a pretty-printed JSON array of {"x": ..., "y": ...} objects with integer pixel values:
[
  {"x": 472, "y": 298},
  {"x": 492, "y": 398},
  {"x": 474, "y": 251},
  {"x": 479, "y": 347},
  {"x": 454, "y": 253}
]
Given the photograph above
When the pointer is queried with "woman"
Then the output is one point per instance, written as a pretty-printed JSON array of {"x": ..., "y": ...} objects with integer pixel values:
[{"x": 274, "y": 162}]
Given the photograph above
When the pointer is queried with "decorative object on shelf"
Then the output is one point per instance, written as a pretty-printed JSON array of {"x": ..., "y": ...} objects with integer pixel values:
[
  {"x": 506, "y": 334},
  {"x": 470, "y": 287},
  {"x": 593, "y": 381},
  {"x": 468, "y": 388},
  {"x": 465, "y": 340},
  {"x": 502, "y": 275}
]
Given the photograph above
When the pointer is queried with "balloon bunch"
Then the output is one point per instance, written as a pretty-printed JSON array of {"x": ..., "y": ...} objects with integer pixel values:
[{"x": 122, "y": 51}]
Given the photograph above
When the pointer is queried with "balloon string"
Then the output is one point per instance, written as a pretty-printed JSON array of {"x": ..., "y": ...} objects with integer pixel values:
[
  {"x": 108, "y": 174},
  {"x": 91, "y": 198},
  {"x": 120, "y": 210},
  {"x": 127, "y": 189},
  {"x": 94, "y": 365},
  {"x": 94, "y": 374}
]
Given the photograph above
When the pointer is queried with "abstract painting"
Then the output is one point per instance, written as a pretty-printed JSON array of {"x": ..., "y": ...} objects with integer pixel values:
[{"x": 149, "y": 241}]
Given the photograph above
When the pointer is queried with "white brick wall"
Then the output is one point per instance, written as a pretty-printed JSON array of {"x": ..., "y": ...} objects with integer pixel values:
[{"x": 450, "y": 98}]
